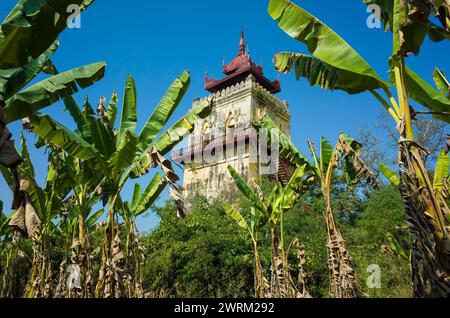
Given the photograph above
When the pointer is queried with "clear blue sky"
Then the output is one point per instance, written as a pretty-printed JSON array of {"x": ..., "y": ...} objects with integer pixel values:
[{"x": 156, "y": 40}]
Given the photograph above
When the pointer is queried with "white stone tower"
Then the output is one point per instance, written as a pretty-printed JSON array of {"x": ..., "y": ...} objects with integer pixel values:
[{"x": 240, "y": 98}]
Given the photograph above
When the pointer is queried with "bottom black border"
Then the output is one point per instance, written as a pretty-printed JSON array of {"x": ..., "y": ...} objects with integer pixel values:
[{"x": 131, "y": 308}]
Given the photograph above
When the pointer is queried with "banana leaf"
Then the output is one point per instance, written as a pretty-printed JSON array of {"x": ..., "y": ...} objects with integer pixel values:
[
  {"x": 111, "y": 112},
  {"x": 416, "y": 24},
  {"x": 12, "y": 80},
  {"x": 94, "y": 218},
  {"x": 288, "y": 150},
  {"x": 100, "y": 136},
  {"x": 136, "y": 196},
  {"x": 76, "y": 114},
  {"x": 237, "y": 217},
  {"x": 129, "y": 117},
  {"x": 325, "y": 45},
  {"x": 49, "y": 91},
  {"x": 389, "y": 174},
  {"x": 163, "y": 111},
  {"x": 294, "y": 188},
  {"x": 175, "y": 134},
  {"x": 420, "y": 91},
  {"x": 441, "y": 172},
  {"x": 326, "y": 152},
  {"x": 30, "y": 29},
  {"x": 246, "y": 190},
  {"x": 125, "y": 154},
  {"x": 55, "y": 133},
  {"x": 150, "y": 194},
  {"x": 441, "y": 82},
  {"x": 318, "y": 73},
  {"x": 57, "y": 188}
]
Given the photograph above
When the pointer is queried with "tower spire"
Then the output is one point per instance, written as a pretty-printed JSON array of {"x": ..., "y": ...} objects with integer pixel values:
[{"x": 242, "y": 46}]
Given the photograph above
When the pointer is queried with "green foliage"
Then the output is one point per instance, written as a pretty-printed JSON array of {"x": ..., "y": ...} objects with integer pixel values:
[
  {"x": 205, "y": 255},
  {"x": 306, "y": 222},
  {"x": 369, "y": 243}
]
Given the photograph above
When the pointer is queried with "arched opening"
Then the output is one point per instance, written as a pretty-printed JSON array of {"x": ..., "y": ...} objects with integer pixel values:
[
  {"x": 206, "y": 133},
  {"x": 230, "y": 124}
]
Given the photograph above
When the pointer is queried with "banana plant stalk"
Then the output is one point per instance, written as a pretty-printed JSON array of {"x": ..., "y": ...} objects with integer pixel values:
[{"x": 343, "y": 281}]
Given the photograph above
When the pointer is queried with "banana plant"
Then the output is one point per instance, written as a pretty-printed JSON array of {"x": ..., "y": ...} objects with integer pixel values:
[
  {"x": 120, "y": 154},
  {"x": 343, "y": 282},
  {"x": 34, "y": 218},
  {"x": 74, "y": 230},
  {"x": 28, "y": 37},
  {"x": 10, "y": 245},
  {"x": 335, "y": 65},
  {"x": 133, "y": 251},
  {"x": 269, "y": 213},
  {"x": 65, "y": 232},
  {"x": 6, "y": 254}
]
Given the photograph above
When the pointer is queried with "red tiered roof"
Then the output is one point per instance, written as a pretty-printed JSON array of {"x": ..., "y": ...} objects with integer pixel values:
[{"x": 238, "y": 70}]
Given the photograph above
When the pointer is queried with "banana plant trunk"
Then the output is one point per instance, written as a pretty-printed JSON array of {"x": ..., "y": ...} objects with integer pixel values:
[
  {"x": 430, "y": 245},
  {"x": 60, "y": 290},
  {"x": 39, "y": 282},
  {"x": 343, "y": 282},
  {"x": 134, "y": 262},
  {"x": 425, "y": 214},
  {"x": 8, "y": 273},
  {"x": 110, "y": 276},
  {"x": 281, "y": 282},
  {"x": 83, "y": 256},
  {"x": 261, "y": 284}
]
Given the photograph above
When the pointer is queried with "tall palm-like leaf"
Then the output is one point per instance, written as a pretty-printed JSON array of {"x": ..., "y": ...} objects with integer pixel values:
[{"x": 353, "y": 72}]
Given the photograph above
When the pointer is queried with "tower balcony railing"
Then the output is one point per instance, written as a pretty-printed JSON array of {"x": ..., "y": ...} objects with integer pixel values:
[{"x": 182, "y": 154}]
